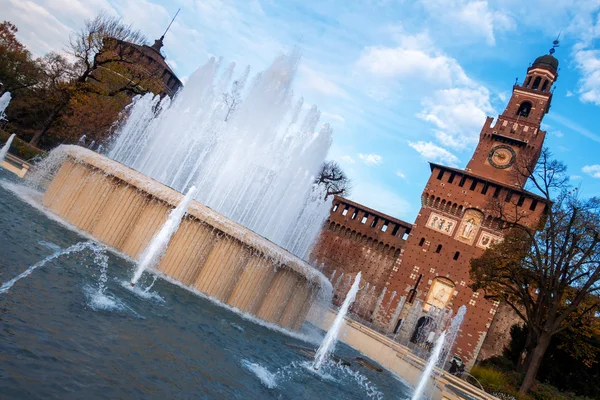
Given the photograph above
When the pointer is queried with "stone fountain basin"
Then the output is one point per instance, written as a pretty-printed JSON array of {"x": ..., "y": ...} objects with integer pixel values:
[{"x": 123, "y": 208}]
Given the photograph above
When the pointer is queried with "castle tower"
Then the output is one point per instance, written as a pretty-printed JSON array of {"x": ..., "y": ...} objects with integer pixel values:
[
  {"x": 516, "y": 137},
  {"x": 457, "y": 221}
]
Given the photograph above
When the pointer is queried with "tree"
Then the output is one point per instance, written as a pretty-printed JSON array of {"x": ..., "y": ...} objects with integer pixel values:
[
  {"x": 87, "y": 45},
  {"x": 568, "y": 371},
  {"x": 334, "y": 180},
  {"x": 105, "y": 76},
  {"x": 18, "y": 70},
  {"x": 548, "y": 274}
]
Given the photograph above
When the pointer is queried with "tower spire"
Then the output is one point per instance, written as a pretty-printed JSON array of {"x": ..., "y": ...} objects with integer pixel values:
[
  {"x": 555, "y": 43},
  {"x": 158, "y": 44},
  {"x": 170, "y": 23}
]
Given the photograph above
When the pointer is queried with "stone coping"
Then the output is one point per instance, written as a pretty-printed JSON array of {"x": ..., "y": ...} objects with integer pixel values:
[
  {"x": 447, "y": 380},
  {"x": 196, "y": 209}
]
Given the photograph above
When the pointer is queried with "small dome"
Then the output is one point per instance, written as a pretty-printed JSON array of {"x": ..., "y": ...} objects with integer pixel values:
[{"x": 546, "y": 60}]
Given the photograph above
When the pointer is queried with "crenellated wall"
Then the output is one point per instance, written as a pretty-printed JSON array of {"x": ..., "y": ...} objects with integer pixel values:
[{"x": 210, "y": 253}]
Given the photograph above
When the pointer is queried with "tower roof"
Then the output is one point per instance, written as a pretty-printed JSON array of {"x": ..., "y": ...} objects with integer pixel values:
[{"x": 547, "y": 60}]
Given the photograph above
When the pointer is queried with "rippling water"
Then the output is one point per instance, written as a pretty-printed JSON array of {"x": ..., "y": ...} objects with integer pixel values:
[{"x": 61, "y": 338}]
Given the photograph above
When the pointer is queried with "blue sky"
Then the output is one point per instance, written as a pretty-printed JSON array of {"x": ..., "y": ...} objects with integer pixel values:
[{"x": 401, "y": 82}]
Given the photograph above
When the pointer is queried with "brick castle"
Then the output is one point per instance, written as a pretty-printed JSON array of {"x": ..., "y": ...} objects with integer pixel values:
[{"x": 426, "y": 264}]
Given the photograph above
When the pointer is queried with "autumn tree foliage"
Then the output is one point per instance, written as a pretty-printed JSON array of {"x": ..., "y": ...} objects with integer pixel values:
[
  {"x": 548, "y": 274},
  {"x": 18, "y": 70},
  {"x": 60, "y": 97}
]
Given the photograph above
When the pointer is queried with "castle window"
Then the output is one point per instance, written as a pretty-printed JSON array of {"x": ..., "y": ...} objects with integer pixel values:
[
  {"x": 405, "y": 236},
  {"x": 528, "y": 81},
  {"x": 462, "y": 181},
  {"x": 335, "y": 207},
  {"x": 354, "y": 214},
  {"x": 421, "y": 242},
  {"x": 497, "y": 192},
  {"x": 375, "y": 221},
  {"x": 533, "y": 205},
  {"x": 452, "y": 175},
  {"x": 508, "y": 196},
  {"x": 473, "y": 185},
  {"x": 395, "y": 231},
  {"x": 440, "y": 174},
  {"x": 439, "y": 248},
  {"x": 524, "y": 109},
  {"x": 384, "y": 227},
  {"x": 521, "y": 201},
  {"x": 345, "y": 210},
  {"x": 364, "y": 219},
  {"x": 545, "y": 85},
  {"x": 536, "y": 83},
  {"x": 485, "y": 188},
  {"x": 456, "y": 255}
]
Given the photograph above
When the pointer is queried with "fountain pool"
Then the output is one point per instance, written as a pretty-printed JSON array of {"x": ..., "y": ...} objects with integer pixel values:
[{"x": 74, "y": 328}]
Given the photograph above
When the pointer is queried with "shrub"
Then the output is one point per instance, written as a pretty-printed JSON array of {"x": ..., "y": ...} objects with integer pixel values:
[
  {"x": 501, "y": 363},
  {"x": 542, "y": 391},
  {"x": 491, "y": 379}
]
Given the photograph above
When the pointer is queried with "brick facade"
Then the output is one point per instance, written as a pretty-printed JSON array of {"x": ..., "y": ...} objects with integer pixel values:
[
  {"x": 357, "y": 238},
  {"x": 458, "y": 220}
]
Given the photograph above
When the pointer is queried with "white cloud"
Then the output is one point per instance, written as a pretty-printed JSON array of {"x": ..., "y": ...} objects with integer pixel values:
[
  {"x": 470, "y": 19},
  {"x": 371, "y": 159},
  {"x": 588, "y": 63},
  {"x": 171, "y": 64},
  {"x": 348, "y": 159},
  {"x": 458, "y": 113},
  {"x": 414, "y": 58},
  {"x": 569, "y": 93},
  {"x": 400, "y": 174},
  {"x": 575, "y": 177},
  {"x": 574, "y": 126},
  {"x": 318, "y": 82},
  {"x": 592, "y": 170},
  {"x": 454, "y": 103},
  {"x": 557, "y": 133},
  {"x": 433, "y": 152}
]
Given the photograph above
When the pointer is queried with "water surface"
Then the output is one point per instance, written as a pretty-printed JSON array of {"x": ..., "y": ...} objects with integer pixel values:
[{"x": 59, "y": 338}]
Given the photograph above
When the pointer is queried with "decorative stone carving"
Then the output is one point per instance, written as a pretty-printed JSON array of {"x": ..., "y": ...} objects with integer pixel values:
[
  {"x": 469, "y": 226},
  {"x": 441, "y": 223},
  {"x": 486, "y": 239}
]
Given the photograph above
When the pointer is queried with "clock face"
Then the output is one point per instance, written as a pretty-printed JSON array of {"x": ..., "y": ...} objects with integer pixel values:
[{"x": 502, "y": 156}]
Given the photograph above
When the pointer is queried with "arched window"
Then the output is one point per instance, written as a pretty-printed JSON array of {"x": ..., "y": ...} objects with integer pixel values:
[
  {"x": 536, "y": 82},
  {"x": 524, "y": 109},
  {"x": 528, "y": 81},
  {"x": 439, "y": 248},
  {"x": 545, "y": 85},
  {"x": 456, "y": 255},
  {"x": 421, "y": 242}
]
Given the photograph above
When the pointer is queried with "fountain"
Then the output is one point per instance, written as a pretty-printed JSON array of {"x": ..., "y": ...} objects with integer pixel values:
[
  {"x": 4, "y": 149},
  {"x": 244, "y": 143},
  {"x": 431, "y": 362},
  {"x": 156, "y": 249},
  {"x": 72, "y": 249},
  {"x": 4, "y": 100},
  {"x": 253, "y": 157},
  {"x": 328, "y": 343}
]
